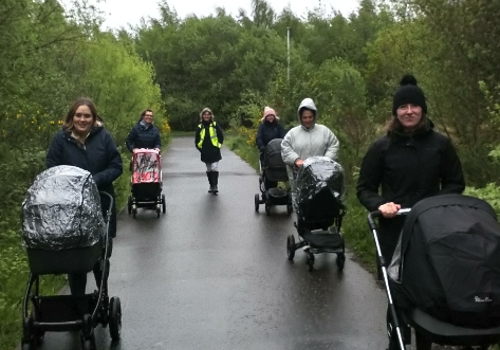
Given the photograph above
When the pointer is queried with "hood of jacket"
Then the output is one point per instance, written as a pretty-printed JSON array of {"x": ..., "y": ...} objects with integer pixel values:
[
  {"x": 307, "y": 103},
  {"x": 206, "y": 109}
]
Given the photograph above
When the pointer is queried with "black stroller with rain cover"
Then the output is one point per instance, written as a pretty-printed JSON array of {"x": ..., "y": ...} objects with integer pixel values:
[
  {"x": 65, "y": 233},
  {"x": 273, "y": 169},
  {"x": 319, "y": 192},
  {"x": 444, "y": 278}
]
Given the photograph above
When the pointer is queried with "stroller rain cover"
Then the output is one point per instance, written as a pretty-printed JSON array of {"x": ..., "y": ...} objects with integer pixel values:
[
  {"x": 62, "y": 210},
  {"x": 316, "y": 174},
  {"x": 447, "y": 262},
  {"x": 146, "y": 166}
]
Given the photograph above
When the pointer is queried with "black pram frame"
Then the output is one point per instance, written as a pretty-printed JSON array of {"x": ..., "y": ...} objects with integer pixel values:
[
  {"x": 272, "y": 196},
  {"x": 428, "y": 329},
  {"x": 319, "y": 229},
  {"x": 63, "y": 313}
]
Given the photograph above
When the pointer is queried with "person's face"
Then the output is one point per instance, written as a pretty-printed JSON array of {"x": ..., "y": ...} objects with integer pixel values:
[
  {"x": 83, "y": 120},
  {"x": 207, "y": 116},
  {"x": 409, "y": 115},
  {"x": 307, "y": 118},
  {"x": 270, "y": 118},
  {"x": 148, "y": 117}
]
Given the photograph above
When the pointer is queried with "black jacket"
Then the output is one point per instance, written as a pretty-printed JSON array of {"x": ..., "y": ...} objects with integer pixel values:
[
  {"x": 267, "y": 132},
  {"x": 99, "y": 156},
  {"x": 209, "y": 153},
  {"x": 143, "y": 136},
  {"x": 408, "y": 169}
]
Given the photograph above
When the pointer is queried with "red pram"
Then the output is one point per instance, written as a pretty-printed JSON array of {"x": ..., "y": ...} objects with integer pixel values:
[{"x": 146, "y": 182}]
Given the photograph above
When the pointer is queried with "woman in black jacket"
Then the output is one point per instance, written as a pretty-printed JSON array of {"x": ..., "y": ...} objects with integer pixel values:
[
  {"x": 269, "y": 129},
  {"x": 208, "y": 140},
  {"x": 410, "y": 163},
  {"x": 144, "y": 134},
  {"x": 84, "y": 143}
]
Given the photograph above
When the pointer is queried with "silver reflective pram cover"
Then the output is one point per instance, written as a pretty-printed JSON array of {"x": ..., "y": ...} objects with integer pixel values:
[{"x": 62, "y": 210}]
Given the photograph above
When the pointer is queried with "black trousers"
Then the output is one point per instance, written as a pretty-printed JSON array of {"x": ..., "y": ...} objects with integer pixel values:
[
  {"x": 78, "y": 281},
  {"x": 388, "y": 235}
]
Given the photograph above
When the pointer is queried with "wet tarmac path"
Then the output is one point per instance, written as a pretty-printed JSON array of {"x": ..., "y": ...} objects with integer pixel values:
[{"x": 213, "y": 274}]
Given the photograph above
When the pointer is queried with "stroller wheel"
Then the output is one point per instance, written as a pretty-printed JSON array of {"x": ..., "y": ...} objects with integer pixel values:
[
  {"x": 289, "y": 209},
  {"x": 115, "y": 318},
  {"x": 257, "y": 202},
  {"x": 89, "y": 343},
  {"x": 163, "y": 204},
  {"x": 310, "y": 261},
  {"x": 28, "y": 346},
  {"x": 340, "y": 261},
  {"x": 268, "y": 209},
  {"x": 129, "y": 205},
  {"x": 290, "y": 247}
]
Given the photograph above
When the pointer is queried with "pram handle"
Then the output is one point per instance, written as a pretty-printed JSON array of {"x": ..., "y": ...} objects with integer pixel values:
[
  {"x": 111, "y": 201},
  {"x": 377, "y": 214}
]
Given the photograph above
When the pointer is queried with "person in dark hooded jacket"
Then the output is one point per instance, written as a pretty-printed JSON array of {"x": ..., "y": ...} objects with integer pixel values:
[
  {"x": 144, "y": 134},
  {"x": 208, "y": 140},
  {"x": 410, "y": 163},
  {"x": 83, "y": 142}
]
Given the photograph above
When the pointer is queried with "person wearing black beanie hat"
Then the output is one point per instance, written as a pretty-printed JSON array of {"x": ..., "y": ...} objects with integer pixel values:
[{"x": 411, "y": 162}]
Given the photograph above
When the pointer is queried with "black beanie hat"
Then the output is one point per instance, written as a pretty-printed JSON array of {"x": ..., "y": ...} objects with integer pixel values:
[{"x": 409, "y": 92}]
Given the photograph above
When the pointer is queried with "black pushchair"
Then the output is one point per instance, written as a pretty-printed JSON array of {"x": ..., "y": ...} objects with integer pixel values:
[
  {"x": 65, "y": 233},
  {"x": 273, "y": 170},
  {"x": 146, "y": 182},
  {"x": 444, "y": 278},
  {"x": 319, "y": 191}
]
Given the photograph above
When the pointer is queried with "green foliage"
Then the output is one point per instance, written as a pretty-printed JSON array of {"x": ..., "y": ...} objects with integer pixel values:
[{"x": 47, "y": 59}]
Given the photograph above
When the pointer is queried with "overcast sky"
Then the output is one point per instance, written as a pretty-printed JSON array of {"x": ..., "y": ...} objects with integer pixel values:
[{"x": 119, "y": 13}]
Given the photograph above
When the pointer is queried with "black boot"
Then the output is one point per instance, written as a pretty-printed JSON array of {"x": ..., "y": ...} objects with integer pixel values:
[
  {"x": 210, "y": 182},
  {"x": 215, "y": 181}
]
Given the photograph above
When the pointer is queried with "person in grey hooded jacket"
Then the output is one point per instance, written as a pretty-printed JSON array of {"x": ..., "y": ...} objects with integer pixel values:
[{"x": 307, "y": 140}]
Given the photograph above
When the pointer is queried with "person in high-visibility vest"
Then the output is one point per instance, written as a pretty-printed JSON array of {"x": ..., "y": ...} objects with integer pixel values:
[{"x": 208, "y": 141}]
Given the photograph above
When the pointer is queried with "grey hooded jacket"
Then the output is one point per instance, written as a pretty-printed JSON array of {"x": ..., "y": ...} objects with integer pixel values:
[{"x": 302, "y": 143}]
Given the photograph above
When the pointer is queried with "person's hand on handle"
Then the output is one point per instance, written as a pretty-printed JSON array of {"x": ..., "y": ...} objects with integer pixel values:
[
  {"x": 158, "y": 150},
  {"x": 389, "y": 210},
  {"x": 298, "y": 163}
]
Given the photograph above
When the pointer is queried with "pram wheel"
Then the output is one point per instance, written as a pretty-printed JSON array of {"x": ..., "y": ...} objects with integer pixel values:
[
  {"x": 289, "y": 209},
  {"x": 310, "y": 260},
  {"x": 257, "y": 202},
  {"x": 32, "y": 337},
  {"x": 89, "y": 343},
  {"x": 115, "y": 318},
  {"x": 268, "y": 209},
  {"x": 129, "y": 205},
  {"x": 290, "y": 247},
  {"x": 163, "y": 204},
  {"x": 340, "y": 261}
]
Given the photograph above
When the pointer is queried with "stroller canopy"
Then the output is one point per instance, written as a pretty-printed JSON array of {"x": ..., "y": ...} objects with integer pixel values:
[
  {"x": 448, "y": 260},
  {"x": 316, "y": 174},
  {"x": 272, "y": 154},
  {"x": 62, "y": 210},
  {"x": 274, "y": 167}
]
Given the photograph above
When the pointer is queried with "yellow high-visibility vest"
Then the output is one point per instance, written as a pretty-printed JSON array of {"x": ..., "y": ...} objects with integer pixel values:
[{"x": 213, "y": 135}]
